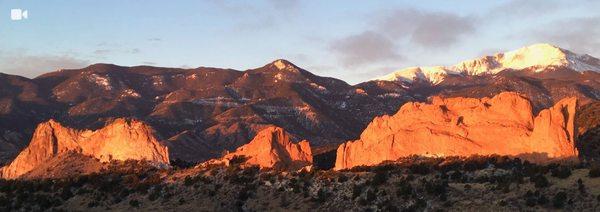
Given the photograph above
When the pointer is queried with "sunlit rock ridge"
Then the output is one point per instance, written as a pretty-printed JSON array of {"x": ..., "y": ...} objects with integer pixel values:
[
  {"x": 273, "y": 148},
  {"x": 502, "y": 125},
  {"x": 120, "y": 140},
  {"x": 537, "y": 57}
]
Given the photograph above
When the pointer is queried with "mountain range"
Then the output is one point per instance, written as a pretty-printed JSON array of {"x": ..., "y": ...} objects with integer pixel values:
[{"x": 203, "y": 112}]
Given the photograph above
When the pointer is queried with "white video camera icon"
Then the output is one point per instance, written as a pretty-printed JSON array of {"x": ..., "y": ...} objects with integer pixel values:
[{"x": 18, "y": 14}]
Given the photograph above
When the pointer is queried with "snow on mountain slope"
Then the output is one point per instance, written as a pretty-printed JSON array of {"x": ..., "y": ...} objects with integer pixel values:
[
  {"x": 434, "y": 74},
  {"x": 537, "y": 56}
]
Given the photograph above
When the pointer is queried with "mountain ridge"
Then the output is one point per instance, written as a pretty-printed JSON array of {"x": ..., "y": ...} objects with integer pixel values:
[
  {"x": 537, "y": 57},
  {"x": 201, "y": 112}
]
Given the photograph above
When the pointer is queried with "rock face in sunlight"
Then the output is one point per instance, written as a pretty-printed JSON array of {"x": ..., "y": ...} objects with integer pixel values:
[
  {"x": 120, "y": 140},
  {"x": 272, "y": 148},
  {"x": 503, "y": 125}
]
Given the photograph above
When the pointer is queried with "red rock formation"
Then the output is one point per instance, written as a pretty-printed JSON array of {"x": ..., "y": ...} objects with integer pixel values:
[
  {"x": 120, "y": 140},
  {"x": 272, "y": 148},
  {"x": 503, "y": 125}
]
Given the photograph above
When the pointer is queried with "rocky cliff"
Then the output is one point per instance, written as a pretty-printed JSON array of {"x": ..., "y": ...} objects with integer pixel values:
[
  {"x": 503, "y": 125},
  {"x": 272, "y": 148},
  {"x": 120, "y": 140}
]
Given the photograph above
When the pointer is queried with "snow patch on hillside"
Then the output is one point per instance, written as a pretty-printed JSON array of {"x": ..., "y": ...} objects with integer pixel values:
[{"x": 101, "y": 81}]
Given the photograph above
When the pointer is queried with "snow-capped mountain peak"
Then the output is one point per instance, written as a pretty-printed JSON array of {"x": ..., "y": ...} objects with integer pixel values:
[
  {"x": 433, "y": 74},
  {"x": 537, "y": 56}
]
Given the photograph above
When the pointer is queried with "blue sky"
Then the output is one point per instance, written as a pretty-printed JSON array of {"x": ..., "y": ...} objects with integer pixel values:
[{"x": 351, "y": 40}]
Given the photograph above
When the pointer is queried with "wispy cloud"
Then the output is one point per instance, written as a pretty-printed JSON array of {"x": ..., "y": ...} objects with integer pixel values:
[
  {"x": 581, "y": 35},
  {"x": 285, "y": 4},
  {"x": 23, "y": 64},
  {"x": 364, "y": 48},
  {"x": 525, "y": 9},
  {"x": 425, "y": 28},
  {"x": 250, "y": 16},
  {"x": 104, "y": 52},
  {"x": 393, "y": 31},
  {"x": 149, "y": 63}
]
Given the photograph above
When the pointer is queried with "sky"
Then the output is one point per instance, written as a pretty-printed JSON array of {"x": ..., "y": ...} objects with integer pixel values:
[{"x": 352, "y": 40}]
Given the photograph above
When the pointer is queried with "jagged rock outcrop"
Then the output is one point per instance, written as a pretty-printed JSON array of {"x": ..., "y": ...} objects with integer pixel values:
[
  {"x": 120, "y": 140},
  {"x": 503, "y": 125},
  {"x": 272, "y": 147}
]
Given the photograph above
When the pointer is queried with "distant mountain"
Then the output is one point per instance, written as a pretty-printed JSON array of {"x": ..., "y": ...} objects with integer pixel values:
[
  {"x": 535, "y": 58},
  {"x": 203, "y": 112},
  {"x": 198, "y": 113},
  {"x": 542, "y": 72}
]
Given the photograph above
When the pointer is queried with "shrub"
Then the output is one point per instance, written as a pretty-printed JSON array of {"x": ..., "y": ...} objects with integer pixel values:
[
  {"x": 155, "y": 194},
  {"x": 237, "y": 160},
  {"x": 360, "y": 169},
  {"x": 542, "y": 200},
  {"x": 244, "y": 194},
  {"x": 283, "y": 201},
  {"x": 418, "y": 205},
  {"x": 594, "y": 170},
  {"x": 93, "y": 204},
  {"x": 44, "y": 201},
  {"x": 532, "y": 169},
  {"x": 404, "y": 190},
  {"x": 379, "y": 178},
  {"x": 559, "y": 199},
  {"x": 181, "y": 164},
  {"x": 356, "y": 190},
  {"x": 561, "y": 172},
  {"x": 322, "y": 195},
  {"x": 436, "y": 187},
  {"x": 368, "y": 197},
  {"x": 66, "y": 193},
  {"x": 456, "y": 175},
  {"x": 419, "y": 168},
  {"x": 188, "y": 181},
  {"x": 342, "y": 178},
  {"x": 530, "y": 201},
  {"x": 540, "y": 181},
  {"x": 475, "y": 163},
  {"x": 246, "y": 176},
  {"x": 581, "y": 186},
  {"x": 384, "y": 167},
  {"x": 134, "y": 203}
]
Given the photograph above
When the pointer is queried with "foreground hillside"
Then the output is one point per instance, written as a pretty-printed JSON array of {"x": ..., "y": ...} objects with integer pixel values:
[{"x": 476, "y": 183}]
